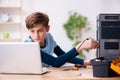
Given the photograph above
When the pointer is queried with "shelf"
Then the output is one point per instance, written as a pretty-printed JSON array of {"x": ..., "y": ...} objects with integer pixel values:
[
  {"x": 11, "y": 20},
  {"x": 10, "y": 40},
  {"x": 14, "y": 7},
  {"x": 10, "y": 3},
  {"x": 10, "y": 23}
]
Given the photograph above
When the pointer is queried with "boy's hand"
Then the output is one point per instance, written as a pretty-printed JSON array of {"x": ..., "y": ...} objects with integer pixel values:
[{"x": 87, "y": 44}]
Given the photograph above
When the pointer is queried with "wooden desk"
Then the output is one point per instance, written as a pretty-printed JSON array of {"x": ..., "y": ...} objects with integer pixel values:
[{"x": 58, "y": 74}]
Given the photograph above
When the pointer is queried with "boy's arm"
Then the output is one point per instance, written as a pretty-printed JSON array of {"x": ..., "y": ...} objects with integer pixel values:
[
  {"x": 58, "y": 61},
  {"x": 77, "y": 61},
  {"x": 58, "y": 51}
]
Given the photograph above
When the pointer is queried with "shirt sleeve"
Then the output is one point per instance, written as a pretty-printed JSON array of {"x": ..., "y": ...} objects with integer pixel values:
[
  {"x": 75, "y": 60},
  {"x": 58, "y": 51},
  {"x": 58, "y": 61}
]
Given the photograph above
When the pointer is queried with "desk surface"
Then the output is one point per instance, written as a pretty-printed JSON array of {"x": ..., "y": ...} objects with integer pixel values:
[{"x": 58, "y": 74}]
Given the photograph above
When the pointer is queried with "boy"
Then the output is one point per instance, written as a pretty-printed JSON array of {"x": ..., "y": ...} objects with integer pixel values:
[{"x": 38, "y": 27}]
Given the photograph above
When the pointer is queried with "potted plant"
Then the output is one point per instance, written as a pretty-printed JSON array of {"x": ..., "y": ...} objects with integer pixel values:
[{"x": 74, "y": 26}]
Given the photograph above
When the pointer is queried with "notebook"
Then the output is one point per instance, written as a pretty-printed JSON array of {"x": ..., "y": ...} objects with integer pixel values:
[{"x": 20, "y": 58}]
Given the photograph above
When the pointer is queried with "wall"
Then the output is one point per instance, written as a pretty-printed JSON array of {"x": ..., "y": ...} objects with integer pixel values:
[{"x": 58, "y": 14}]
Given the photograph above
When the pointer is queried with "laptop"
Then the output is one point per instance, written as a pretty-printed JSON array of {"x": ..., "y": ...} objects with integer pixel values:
[{"x": 21, "y": 58}]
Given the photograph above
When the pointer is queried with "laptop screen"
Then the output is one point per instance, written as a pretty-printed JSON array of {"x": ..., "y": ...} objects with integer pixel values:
[{"x": 20, "y": 57}]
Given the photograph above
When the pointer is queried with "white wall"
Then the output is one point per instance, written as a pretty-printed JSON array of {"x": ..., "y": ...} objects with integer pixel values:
[{"x": 58, "y": 14}]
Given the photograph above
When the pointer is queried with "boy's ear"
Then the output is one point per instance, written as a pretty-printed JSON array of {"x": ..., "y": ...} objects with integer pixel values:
[{"x": 48, "y": 28}]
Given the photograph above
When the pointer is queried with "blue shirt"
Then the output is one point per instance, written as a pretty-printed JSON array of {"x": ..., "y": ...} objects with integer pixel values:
[{"x": 51, "y": 47}]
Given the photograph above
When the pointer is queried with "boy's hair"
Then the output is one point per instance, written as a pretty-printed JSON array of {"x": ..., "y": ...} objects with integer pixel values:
[{"x": 36, "y": 18}]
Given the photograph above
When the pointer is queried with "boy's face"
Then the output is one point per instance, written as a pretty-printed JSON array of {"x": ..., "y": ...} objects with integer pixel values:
[{"x": 38, "y": 33}]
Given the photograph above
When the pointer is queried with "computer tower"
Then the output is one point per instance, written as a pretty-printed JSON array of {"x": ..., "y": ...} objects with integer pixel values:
[{"x": 108, "y": 35}]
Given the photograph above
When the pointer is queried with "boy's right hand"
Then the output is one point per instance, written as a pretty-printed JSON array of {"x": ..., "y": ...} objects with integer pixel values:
[{"x": 87, "y": 44}]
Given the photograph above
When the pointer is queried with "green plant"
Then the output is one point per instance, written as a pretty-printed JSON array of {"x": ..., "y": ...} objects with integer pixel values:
[{"x": 73, "y": 27}]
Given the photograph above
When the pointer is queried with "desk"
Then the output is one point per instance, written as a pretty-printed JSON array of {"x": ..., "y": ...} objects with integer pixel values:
[{"x": 58, "y": 74}]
